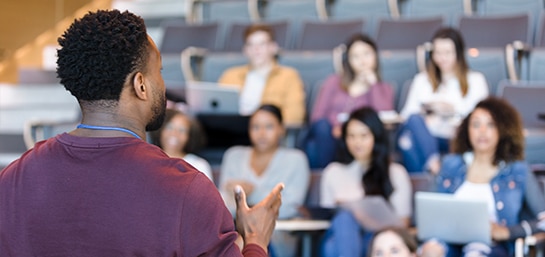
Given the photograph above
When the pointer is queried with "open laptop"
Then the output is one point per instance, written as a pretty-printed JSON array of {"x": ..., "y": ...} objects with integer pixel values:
[
  {"x": 212, "y": 98},
  {"x": 454, "y": 220}
]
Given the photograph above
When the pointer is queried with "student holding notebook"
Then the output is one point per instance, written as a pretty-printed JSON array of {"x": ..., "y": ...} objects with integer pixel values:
[
  {"x": 488, "y": 164},
  {"x": 363, "y": 176}
]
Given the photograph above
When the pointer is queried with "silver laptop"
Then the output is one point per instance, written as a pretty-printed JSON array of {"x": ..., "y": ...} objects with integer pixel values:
[
  {"x": 454, "y": 220},
  {"x": 212, "y": 98}
]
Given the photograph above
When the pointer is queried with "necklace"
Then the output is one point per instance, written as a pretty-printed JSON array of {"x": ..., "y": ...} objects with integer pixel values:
[{"x": 85, "y": 126}]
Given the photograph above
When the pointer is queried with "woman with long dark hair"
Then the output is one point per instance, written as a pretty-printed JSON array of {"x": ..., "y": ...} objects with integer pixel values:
[{"x": 364, "y": 170}]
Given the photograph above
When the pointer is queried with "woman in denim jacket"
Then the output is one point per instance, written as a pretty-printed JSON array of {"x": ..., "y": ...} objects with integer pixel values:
[{"x": 487, "y": 164}]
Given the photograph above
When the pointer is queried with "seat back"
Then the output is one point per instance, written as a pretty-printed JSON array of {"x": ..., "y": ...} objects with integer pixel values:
[
  {"x": 495, "y": 31},
  {"x": 235, "y": 38},
  {"x": 294, "y": 11},
  {"x": 527, "y": 98},
  {"x": 318, "y": 35},
  {"x": 214, "y": 64},
  {"x": 536, "y": 64},
  {"x": 491, "y": 62},
  {"x": 540, "y": 31},
  {"x": 225, "y": 13},
  {"x": 178, "y": 36},
  {"x": 370, "y": 10},
  {"x": 172, "y": 67},
  {"x": 406, "y": 33},
  {"x": 452, "y": 10},
  {"x": 397, "y": 66},
  {"x": 312, "y": 66},
  {"x": 531, "y": 7}
]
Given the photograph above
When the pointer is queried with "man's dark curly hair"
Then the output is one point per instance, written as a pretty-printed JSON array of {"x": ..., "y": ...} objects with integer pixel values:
[
  {"x": 509, "y": 124},
  {"x": 99, "y": 51}
]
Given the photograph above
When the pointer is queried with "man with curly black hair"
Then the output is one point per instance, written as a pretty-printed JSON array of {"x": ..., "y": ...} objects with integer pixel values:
[{"x": 101, "y": 190}]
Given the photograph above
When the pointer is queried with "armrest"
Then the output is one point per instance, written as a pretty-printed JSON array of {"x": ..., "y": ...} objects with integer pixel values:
[
  {"x": 514, "y": 51},
  {"x": 530, "y": 245},
  {"x": 187, "y": 56}
]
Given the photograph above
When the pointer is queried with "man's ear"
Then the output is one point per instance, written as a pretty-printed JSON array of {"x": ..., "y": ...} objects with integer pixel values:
[{"x": 139, "y": 86}]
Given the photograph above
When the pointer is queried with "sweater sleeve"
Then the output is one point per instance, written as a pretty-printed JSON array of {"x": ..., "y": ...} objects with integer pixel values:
[
  {"x": 253, "y": 250},
  {"x": 535, "y": 201},
  {"x": 319, "y": 110},
  {"x": 296, "y": 185},
  {"x": 293, "y": 109},
  {"x": 207, "y": 228},
  {"x": 383, "y": 98},
  {"x": 412, "y": 104},
  {"x": 228, "y": 172},
  {"x": 327, "y": 197},
  {"x": 478, "y": 90},
  {"x": 233, "y": 76},
  {"x": 401, "y": 198}
]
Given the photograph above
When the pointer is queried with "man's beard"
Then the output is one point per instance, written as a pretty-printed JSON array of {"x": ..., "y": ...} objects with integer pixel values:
[{"x": 159, "y": 110}]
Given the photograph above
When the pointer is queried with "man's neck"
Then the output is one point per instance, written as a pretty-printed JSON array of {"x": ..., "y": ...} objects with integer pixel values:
[{"x": 108, "y": 118}]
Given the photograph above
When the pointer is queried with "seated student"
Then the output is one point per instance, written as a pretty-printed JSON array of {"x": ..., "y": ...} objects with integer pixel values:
[
  {"x": 487, "y": 164},
  {"x": 263, "y": 81},
  {"x": 446, "y": 92},
  {"x": 365, "y": 170},
  {"x": 358, "y": 85},
  {"x": 181, "y": 137},
  {"x": 392, "y": 241},
  {"x": 261, "y": 166}
]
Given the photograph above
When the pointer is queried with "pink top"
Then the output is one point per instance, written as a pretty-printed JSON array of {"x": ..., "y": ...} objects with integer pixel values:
[{"x": 333, "y": 99}]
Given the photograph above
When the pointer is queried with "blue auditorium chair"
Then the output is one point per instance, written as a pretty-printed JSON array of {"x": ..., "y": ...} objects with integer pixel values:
[
  {"x": 452, "y": 10},
  {"x": 493, "y": 7},
  {"x": 536, "y": 64},
  {"x": 294, "y": 11},
  {"x": 234, "y": 40},
  {"x": 179, "y": 35},
  {"x": 495, "y": 31},
  {"x": 406, "y": 33},
  {"x": 326, "y": 35},
  {"x": 223, "y": 12},
  {"x": 370, "y": 10},
  {"x": 312, "y": 66}
]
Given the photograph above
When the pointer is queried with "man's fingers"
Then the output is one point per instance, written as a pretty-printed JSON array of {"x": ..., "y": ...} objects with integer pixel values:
[{"x": 240, "y": 198}]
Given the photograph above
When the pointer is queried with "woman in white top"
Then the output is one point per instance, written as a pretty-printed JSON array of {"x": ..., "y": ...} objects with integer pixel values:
[
  {"x": 258, "y": 168},
  {"x": 445, "y": 93},
  {"x": 180, "y": 137},
  {"x": 365, "y": 171}
]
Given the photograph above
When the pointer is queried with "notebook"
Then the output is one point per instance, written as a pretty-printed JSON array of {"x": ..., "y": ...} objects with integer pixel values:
[
  {"x": 212, "y": 98},
  {"x": 454, "y": 220}
]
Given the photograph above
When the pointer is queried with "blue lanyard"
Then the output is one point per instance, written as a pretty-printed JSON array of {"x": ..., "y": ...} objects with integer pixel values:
[{"x": 85, "y": 126}]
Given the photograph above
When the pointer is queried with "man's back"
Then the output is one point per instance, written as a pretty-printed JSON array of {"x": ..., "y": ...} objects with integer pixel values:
[{"x": 77, "y": 196}]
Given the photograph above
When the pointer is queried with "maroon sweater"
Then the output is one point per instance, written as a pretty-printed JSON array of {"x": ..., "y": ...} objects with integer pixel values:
[{"x": 77, "y": 196}]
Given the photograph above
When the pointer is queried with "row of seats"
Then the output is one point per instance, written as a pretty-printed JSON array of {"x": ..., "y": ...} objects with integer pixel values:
[
  {"x": 298, "y": 12},
  {"x": 322, "y": 35}
]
